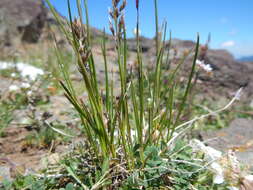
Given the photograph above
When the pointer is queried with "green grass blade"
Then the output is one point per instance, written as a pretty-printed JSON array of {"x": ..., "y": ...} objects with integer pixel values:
[
  {"x": 58, "y": 19},
  {"x": 183, "y": 104},
  {"x": 157, "y": 28}
]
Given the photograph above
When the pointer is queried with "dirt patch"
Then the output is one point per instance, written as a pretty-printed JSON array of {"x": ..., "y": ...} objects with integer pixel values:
[{"x": 13, "y": 147}]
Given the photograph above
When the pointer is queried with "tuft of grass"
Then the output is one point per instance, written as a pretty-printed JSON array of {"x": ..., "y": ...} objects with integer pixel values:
[
  {"x": 129, "y": 136},
  {"x": 126, "y": 121},
  {"x": 8, "y": 104},
  {"x": 122, "y": 128},
  {"x": 45, "y": 135}
]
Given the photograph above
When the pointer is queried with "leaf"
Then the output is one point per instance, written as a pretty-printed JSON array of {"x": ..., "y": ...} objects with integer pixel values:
[
  {"x": 69, "y": 186},
  {"x": 72, "y": 173}
]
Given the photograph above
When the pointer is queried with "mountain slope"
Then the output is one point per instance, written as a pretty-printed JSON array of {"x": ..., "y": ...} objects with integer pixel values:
[{"x": 27, "y": 24}]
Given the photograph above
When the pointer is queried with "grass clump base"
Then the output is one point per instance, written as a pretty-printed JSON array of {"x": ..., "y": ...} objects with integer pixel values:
[{"x": 178, "y": 168}]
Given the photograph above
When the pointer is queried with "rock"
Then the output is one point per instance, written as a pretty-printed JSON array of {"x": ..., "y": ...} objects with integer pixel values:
[
  {"x": 227, "y": 72},
  {"x": 21, "y": 20},
  {"x": 51, "y": 159},
  {"x": 146, "y": 44},
  {"x": 177, "y": 43},
  {"x": 238, "y": 137},
  {"x": 26, "y": 20},
  {"x": 29, "y": 24}
]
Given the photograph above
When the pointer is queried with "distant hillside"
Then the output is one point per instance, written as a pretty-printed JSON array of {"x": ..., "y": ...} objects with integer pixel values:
[
  {"x": 28, "y": 22},
  {"x": 246, "y": 59},
  {"x": 26, "y": 27}
]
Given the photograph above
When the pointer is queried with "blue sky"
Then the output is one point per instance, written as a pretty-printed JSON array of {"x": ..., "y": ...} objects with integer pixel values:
[{"x": 230, "y": 22}]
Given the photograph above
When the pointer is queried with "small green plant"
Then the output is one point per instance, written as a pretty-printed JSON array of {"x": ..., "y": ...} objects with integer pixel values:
[
  {"x": 8, "y": 104},
  {"x": 43, "y": 136},
  {"x": 29, "y": 182}
]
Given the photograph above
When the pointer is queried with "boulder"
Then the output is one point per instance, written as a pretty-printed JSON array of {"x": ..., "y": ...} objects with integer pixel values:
[
  {"x": 146, "y": 44},
  {"x": 228, "y": 74},
  {"x": 21, "y": 21},
  {"x": 237, "y": 137}
]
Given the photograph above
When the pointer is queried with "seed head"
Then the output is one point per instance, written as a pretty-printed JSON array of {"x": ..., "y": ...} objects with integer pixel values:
[
  {"x": 122, "y": 7},
  {"x": 115, "y": 2},
  {"x": 122, "y": 22},
  {"x": 77, "y": 28},
  {"x": 137, "y": 4},
  {"x": 111, "y": 27},
  {"x": 85, "y": 56},
  {"x": 116, "y": 13},
  {"x": 110, "y": 12}
]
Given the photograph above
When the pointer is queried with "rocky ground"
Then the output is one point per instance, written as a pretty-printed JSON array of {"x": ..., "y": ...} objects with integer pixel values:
[{"x": 237, "y": 136}]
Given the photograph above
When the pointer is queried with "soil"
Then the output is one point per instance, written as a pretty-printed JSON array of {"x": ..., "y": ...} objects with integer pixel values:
[{"x": 13, "y": 148}]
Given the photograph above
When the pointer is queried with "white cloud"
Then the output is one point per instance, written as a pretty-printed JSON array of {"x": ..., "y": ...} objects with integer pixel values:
[
  {"x": 227, "y": 44},
  {"x": 241, "y": 49}
]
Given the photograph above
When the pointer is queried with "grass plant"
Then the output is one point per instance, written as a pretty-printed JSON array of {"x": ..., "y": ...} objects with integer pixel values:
[
  {"x": 131, "y": 139},
  {"x": 8, "y": 104},
  {"x": 123, "y": 128},
  {"x": 126, "y": 122}
]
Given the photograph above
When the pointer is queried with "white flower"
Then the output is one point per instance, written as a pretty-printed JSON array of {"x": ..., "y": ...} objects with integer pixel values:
[
  {"x": 13, "y": 74},
  {"x": 207, "y": 67},
  {"x": 4, "y": 65},
  {"x": 25, "y": 70},
  {"x": 29, "y": 71},
  {"x": 13, "y": 88},
  {"x": 233, "y": 188},
  {"x": 218, "y": 171},
  {"x": 249, "y": 177},
  {"x": 25, "y": 85},
  {"x": 29, "y": 93}
]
